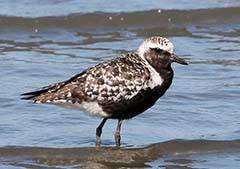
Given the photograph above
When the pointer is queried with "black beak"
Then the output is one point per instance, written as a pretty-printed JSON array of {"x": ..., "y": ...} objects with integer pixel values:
[{"x": 179, "y": 60}]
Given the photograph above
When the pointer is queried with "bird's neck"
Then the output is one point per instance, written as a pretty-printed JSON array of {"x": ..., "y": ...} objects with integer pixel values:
[
  {"x": 164, "y": 69},
  {"x": 167, "y": 75}
]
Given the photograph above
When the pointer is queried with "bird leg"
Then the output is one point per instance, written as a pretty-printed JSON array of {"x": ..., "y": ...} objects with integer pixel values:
[
  {"x": 99, "y": 132},
  {"x": 117, "y": 133}
]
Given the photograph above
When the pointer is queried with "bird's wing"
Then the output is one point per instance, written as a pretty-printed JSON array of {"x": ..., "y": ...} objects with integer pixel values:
[
  {"x": 114, "y": 80},
  {"x": 107, "y": 82}
]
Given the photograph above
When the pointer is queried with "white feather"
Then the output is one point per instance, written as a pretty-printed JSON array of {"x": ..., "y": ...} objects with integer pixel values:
[{"x": 91, "y": 108}]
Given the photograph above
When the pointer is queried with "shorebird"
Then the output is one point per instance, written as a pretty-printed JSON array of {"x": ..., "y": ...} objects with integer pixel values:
[{"x": 120, "y": 88}]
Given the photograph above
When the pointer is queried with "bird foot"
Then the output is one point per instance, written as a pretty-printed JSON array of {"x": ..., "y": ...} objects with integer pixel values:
[{"x": 98, "y": 141}]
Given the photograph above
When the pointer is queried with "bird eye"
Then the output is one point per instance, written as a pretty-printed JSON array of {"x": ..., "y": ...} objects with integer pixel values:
[{"x": 158, "y": 50}]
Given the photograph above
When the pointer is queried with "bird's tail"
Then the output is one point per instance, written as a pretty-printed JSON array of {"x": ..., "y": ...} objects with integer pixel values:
[
  {"x": 38, "y": 95},
  {"x": 34, "y": 95}
]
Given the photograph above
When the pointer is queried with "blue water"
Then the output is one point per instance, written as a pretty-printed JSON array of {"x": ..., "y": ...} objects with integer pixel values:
[
  {"x": 202, "y": 103},
  {"x": 35, "y": 8}
]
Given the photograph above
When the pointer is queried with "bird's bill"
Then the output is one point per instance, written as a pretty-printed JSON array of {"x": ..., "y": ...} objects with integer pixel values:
[{"x": 179, "y": 60}]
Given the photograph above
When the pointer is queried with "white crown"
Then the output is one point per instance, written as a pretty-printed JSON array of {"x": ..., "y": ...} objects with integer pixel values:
[{"x": 156, "y": 42}]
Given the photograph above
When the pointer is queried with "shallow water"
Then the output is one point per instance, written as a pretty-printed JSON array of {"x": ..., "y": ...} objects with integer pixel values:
[{"x": 201, "y": 108}]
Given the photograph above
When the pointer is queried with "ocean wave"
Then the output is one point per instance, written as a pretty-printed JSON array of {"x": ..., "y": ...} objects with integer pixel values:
[{"x": 151, "y": 18}]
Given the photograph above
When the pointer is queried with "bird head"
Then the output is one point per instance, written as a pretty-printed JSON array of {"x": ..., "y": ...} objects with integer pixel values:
[{"x": 159, "y": 51}]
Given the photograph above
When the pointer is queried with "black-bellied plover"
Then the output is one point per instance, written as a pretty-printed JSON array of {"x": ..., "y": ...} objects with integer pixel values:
[{"x": 117, "y": 89}]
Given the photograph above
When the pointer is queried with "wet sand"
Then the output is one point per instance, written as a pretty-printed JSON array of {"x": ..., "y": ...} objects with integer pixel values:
[{"x": 178, "y": 152}]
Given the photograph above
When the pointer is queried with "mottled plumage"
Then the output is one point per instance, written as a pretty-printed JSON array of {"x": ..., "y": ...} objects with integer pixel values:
[{"x": 120, "y": 88}]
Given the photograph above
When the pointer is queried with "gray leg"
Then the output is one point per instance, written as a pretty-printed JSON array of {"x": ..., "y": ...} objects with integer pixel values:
[
  {"x": 99, "y": 132},
  {"x": 117, "y": 133}
]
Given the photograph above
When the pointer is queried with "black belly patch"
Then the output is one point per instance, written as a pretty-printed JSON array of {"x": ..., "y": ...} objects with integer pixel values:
[{"x": 126, "y": 109}]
